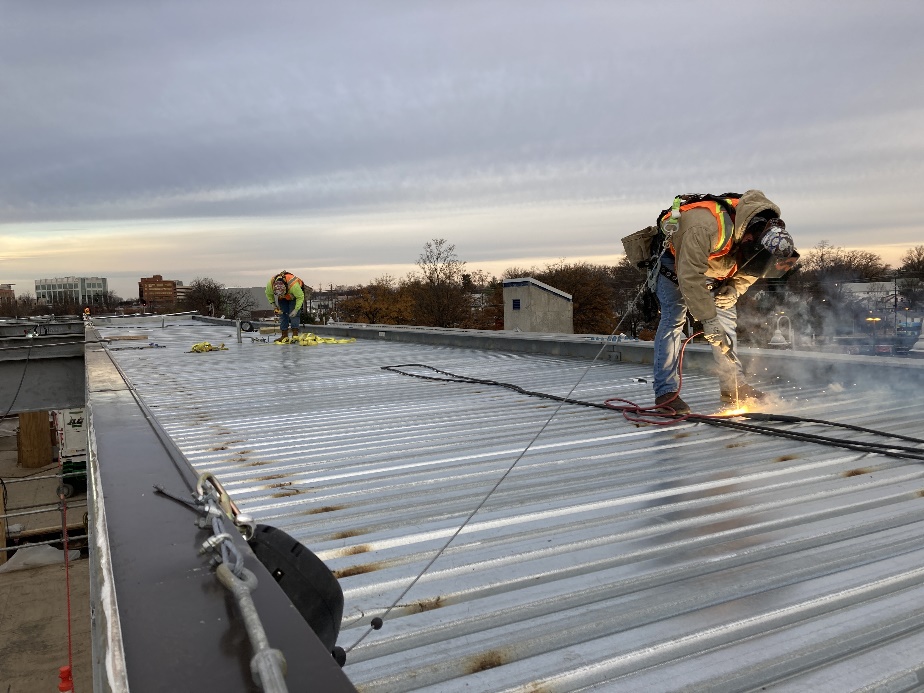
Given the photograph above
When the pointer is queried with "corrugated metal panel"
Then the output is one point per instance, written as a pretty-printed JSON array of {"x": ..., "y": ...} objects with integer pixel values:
[{"x": 611, "y": 557}]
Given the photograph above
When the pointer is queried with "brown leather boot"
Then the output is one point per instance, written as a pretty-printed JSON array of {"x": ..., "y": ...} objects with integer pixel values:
[
  {"x": 285, "y": 335},
  {"x": 670, "y": 403}
]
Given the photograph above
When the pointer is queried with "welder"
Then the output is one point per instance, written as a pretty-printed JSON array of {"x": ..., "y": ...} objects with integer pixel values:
[{"x": 709, "y": 250}]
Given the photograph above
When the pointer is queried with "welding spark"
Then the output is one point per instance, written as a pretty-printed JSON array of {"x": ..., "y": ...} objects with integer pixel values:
[{"x": 733, "y": 412}]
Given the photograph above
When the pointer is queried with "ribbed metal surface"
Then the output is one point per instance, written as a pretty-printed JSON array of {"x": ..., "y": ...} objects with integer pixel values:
[{"x": 612, "y": 557}]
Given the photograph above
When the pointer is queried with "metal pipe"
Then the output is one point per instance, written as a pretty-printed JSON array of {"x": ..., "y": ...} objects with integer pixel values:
[
  {"x": 31, "y": 478},
  {"x": 41, "y": 543},
  {"x": 47, "y": 509}
]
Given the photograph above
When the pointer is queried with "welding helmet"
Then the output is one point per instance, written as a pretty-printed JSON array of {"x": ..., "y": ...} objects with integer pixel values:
[{"x": 767, "y": 250}]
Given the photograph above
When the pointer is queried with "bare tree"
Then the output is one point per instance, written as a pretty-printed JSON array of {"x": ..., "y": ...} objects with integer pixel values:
[
  {"x": 236, "y": 303},
  {"x": 202, "y": 292},
  {"x": 831, "y": 263},
  {"x": 913, "y": 262},
  {"x": 439, "y": 297}
]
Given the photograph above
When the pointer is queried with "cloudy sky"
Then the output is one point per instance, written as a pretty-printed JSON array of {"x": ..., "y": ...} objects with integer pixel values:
[{"x": 232, "y": 139}]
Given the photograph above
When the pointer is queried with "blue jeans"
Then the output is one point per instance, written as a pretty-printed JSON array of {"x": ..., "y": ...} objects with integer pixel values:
[
  {"x": 287, "y": 306},
  {"x": 669, "y": 338}
]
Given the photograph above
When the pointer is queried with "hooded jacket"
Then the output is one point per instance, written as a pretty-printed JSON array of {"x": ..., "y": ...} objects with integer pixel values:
[{"x": 693, "y": 243}]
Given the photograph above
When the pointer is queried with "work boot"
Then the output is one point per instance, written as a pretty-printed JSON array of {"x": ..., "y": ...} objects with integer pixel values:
[
  {"x": 294, "y": 333},
  {"x": 745, "y": 391},
  {"x": 284, "y": 337},
  {"x": 671, "y": 403}
]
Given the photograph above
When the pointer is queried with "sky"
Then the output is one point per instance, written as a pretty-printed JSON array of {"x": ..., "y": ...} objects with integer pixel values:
[{"x": 231, "y": 140}]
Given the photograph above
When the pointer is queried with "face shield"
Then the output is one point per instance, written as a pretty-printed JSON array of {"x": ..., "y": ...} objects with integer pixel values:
[{"x": 767, "y": 251}]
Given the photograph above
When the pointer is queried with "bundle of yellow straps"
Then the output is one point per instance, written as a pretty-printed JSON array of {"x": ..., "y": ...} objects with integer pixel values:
[
  {"x": 309, "y": 339},
  {"x": 205, "y": 346}
]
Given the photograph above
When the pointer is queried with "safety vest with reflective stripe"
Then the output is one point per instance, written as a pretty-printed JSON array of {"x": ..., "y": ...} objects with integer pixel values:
[
  {"x": 289, "y": 279},
  {"x": 724, "y": 224}
]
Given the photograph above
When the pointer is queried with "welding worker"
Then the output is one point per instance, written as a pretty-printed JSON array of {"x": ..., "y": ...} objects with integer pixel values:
[
  {"x": 285, "y": 292},
  {"x": 719, "y": 248}
]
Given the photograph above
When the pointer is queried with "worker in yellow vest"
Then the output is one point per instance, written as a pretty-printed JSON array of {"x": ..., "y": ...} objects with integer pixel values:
[
  {"x": 284, "y": 290},
  {"x": 714, "y": 249}
]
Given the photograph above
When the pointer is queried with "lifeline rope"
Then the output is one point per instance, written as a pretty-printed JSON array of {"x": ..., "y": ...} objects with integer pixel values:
[{"x": 377, "y": 623}]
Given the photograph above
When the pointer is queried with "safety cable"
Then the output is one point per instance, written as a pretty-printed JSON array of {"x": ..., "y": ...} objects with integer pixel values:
[{"x": 378, "y": 621}]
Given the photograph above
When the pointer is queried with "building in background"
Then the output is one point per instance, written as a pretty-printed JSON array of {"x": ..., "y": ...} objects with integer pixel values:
[
  {"x": 531, "y": 306},
  {"x": 63, "y": 290},
  {"x": 158, "y": 292},
  {"x": 7, "y": 295}
]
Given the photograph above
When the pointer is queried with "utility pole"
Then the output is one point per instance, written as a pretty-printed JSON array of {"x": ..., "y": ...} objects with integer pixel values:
[{"x": 895, "y": 303}]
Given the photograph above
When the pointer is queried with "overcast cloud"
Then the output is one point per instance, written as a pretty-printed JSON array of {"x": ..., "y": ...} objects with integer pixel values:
[{"x": 231, "y": 139}]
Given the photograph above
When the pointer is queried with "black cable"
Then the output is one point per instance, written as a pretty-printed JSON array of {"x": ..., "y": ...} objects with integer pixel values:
[
  {"x": 871, "y": 447},
  {"x": 453, "y": 378},
  {"x": 22, "y": 378},
  {"x": 859, "y": 446},
  {"x": 757, "y": 416}
]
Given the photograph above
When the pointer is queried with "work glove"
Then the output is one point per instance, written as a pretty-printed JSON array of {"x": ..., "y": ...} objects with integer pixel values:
[
  {"x": 714, "y": 333},
  {"x": 293, "y": 313},
  {"x": 276, "y": 311},
  {"x": 726, "y": 297}
]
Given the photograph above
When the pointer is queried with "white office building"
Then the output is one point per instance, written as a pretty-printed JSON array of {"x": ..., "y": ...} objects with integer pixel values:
[{"x": 84, "y": 290}]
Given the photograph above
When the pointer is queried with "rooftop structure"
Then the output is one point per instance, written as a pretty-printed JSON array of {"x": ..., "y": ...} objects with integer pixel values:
[
  {"x": 532, "y": 306},
  {"x": 512, "y": 542}
]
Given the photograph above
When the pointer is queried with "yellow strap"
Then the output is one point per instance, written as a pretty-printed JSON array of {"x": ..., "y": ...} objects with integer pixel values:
[
  {"x": 206, "y": 346},
  {"x": 309, "y": 339}
]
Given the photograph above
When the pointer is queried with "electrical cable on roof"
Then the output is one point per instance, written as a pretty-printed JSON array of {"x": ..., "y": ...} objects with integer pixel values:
[
  {"x": 21, "y": 380},
  {"x": 726, "y": 421}
]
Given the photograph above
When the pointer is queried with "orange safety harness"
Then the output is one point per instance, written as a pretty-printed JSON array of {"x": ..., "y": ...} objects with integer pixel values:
[{"x": 723, "y": 211}]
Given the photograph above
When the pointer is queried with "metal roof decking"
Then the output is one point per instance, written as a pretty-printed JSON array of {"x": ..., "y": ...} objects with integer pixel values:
[{"x": 611, "y": 557}]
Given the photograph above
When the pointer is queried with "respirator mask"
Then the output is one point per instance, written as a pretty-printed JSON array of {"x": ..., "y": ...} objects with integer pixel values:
[{"x": 767, "y": 250}]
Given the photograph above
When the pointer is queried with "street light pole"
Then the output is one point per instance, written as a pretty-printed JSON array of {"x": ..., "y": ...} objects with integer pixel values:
[{"x": 895, "y": 303}]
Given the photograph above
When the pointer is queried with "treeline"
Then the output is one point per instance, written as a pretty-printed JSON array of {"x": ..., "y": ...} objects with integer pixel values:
[{"x": 443, "y": 293}]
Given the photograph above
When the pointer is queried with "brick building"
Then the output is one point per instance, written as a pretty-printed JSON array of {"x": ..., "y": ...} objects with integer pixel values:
[
  {"x": 157, "y": 291},
  {"x": 7, "y": 295}
]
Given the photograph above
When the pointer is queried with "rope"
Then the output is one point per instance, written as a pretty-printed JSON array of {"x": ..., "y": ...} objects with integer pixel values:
[
  {"x": 660, "y": 414},
  {"x": 455, "y": 378}
]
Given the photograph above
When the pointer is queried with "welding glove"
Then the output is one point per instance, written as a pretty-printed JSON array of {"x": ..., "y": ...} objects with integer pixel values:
[
  {"x": 726, "y": 297},
  {"x": 714, "y": 333}
]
